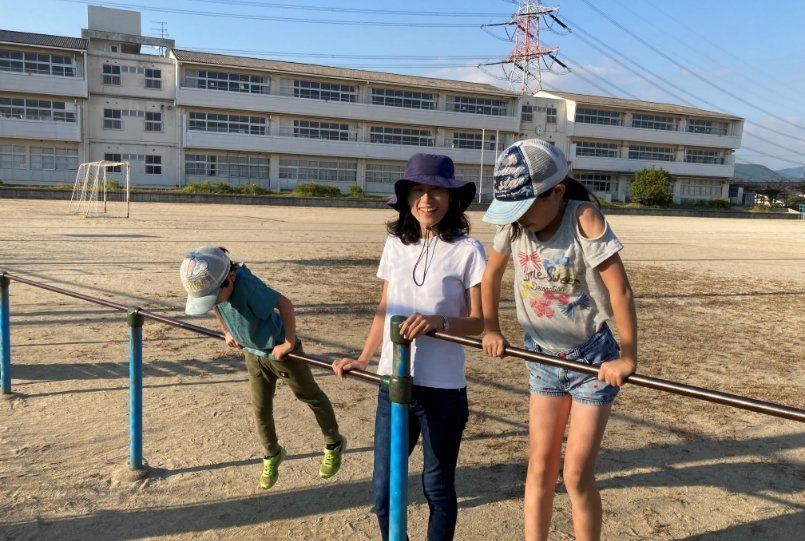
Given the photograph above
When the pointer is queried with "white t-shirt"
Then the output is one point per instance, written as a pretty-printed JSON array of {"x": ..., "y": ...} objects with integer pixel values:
[{"x": 451, "y": 269}]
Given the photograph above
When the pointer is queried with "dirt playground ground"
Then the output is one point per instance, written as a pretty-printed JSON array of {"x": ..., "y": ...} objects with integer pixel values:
[{"x": 721, "y": 304}]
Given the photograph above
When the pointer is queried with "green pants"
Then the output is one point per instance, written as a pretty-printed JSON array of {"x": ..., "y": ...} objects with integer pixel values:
[{"x": 263, "y": 376}]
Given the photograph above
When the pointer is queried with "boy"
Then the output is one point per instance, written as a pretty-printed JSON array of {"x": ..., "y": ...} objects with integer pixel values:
[{"x": 245, "y": 309}]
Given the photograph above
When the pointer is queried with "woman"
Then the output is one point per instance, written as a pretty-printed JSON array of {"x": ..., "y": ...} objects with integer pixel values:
[{"x": 432, "y": 273}]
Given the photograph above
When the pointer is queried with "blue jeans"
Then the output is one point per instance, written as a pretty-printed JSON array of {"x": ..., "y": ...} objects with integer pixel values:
[{"x": 440, "y": 416}]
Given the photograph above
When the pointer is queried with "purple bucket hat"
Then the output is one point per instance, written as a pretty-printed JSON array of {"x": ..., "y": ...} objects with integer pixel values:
[{"x": 434, "y": 170}]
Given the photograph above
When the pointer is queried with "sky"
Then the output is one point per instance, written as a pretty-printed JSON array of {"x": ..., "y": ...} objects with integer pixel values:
[{"x": 740, "y": 57}]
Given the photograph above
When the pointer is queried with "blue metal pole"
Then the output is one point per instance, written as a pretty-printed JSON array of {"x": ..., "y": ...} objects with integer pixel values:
[
  {"x": 400, "y": 395},
  {"x": 135, "y": 321},
  {"x": 5, "y": 335}
]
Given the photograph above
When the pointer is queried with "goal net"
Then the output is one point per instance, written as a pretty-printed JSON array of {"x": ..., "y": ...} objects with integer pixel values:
[{"x": 101, "y": 189}]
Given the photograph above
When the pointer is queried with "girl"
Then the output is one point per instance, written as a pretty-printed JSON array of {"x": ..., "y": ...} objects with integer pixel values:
[
  {"x": 568, "y": 281},
  {"x": 432, "y": 272}
]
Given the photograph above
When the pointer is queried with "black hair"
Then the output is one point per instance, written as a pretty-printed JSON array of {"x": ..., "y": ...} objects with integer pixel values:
[
  {"x": 574, "y": 190},
  {"x": 407, "y": 228}
]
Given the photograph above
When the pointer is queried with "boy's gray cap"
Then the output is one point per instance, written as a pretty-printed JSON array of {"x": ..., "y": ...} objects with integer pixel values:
[
  {"x": 202, "y": 272},
  {"x": 523, "y": 171}
]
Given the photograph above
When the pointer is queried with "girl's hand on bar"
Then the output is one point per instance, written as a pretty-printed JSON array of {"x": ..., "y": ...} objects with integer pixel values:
[
  {"x": 346, "y": 364},
  {"x": 417, "y": 324},
  {"x": 615, "y": 372},
  {"x": 494, "y": 343}
]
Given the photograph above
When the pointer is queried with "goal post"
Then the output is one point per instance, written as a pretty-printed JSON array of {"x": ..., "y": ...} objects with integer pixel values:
[{"x": 101, "y": 189}]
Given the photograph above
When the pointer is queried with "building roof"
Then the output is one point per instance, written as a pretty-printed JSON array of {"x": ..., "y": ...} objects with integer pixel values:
[
  {"x": 621, "y": 103},
  {"x": 297, "y": 68},
  {"x": 42, "y": 40}
]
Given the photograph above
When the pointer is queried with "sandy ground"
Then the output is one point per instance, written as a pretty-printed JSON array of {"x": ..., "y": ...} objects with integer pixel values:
[{"x": 721, "y": 304}]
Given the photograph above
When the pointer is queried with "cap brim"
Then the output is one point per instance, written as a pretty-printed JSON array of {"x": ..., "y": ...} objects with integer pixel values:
[
  {"x": 506, "y": 212},
  {"x": 197, "y": 306}
]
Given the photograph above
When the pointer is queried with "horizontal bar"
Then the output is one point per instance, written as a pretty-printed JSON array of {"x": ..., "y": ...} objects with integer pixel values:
[
  {"x": 758, "y": 406},
  {"x": 362, "y": 375},
  {"x": 751, "y": 404}
]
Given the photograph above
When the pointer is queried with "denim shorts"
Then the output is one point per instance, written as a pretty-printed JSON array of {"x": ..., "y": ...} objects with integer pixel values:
[{"x": 548, "y": 380}]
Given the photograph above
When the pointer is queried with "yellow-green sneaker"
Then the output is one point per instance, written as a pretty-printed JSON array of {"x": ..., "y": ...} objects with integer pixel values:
[
  {"x": 332, "y": 459},
  {"x": 271, "y": 469}
]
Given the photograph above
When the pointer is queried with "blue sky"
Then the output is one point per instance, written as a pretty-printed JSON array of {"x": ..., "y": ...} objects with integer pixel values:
[{"x": 736, "y": 56}]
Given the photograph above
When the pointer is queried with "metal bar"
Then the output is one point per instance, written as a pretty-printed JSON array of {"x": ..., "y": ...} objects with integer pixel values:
[
  {"x": 135, "y": 321},
  {"x": 758, "y": 406},
  {"x": 5, "y": 334},
  {"x": 400, "y": 394}
]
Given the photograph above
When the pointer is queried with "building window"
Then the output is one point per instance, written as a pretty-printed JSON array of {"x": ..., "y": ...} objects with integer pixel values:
[
  {"x": 318, "y": 170},
  {"x": 403, "y": 98},
  {"x": 325, "y": 91},
  {"x": 598, "y": 150},
  {"x": 472, "y": 141},
  {"x": 313, "y": 129},
  {"x": 153, "y": 165},
  {"x": 226, "y": 123},
  {"x": 153, "y": 78},
  {"x": 598, "y": 116},
  {"x": 662, "y": 154},
  {"x": 704, "y": 156},
  {"x": 480, "y": 106},
  {"x": 153, "y": 121},
  {"x": 527, "y": 114},
  {"x": 400, "y": 136},
  {"x": 384, "y": 173},
  {"x": 30, "y": 109},
  {"x": 12, "y": 157},
  {"x": 230, "y": 166},
  {"x": 112, "y": 119},
  {"x": 707, "y": 127},
  {"x": 654, "y": 122},
  {"x": 44, "y": 64},
  {"x": 550, "y": 115},
  {"x": 54, "y": 159},
  {"x": 699, "y": 188},
  {"x": 596, "y": 183},
  {"x": 114, "y": 158},
  {"x": 111, "y": 75},
  {"x": 228, "y": 82}
]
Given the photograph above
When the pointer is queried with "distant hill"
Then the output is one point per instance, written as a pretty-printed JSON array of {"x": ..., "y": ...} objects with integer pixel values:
[
  {"x": 752, "y": 172},
  {"x": 797, "y": 173}
]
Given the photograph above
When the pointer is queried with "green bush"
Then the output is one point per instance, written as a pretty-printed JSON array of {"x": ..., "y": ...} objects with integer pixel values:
[
  {"x": 651, "y": 187},
  {"x": 112, "y": 185},
  {"x": 316, "y": 190},
  {"x": 719, "y": 204},
  {"x": 250, "y": 189},
  {"x": 355, "y": 191}
]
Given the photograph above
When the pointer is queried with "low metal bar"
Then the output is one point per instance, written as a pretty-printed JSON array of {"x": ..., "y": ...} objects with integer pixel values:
[{"x": 736, "y": 401}]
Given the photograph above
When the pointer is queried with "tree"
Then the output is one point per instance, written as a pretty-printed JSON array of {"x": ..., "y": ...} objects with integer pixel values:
[{"x": 651, "y": 187}]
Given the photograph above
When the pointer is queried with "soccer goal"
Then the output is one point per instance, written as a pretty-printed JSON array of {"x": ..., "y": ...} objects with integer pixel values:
[{"x": 101, "y": 189}]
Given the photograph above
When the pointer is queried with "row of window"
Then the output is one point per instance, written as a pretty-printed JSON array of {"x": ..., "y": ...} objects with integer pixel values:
[
  {"x": 113, "y": 119},
  {"x": 587, "y": 115},
  {"x": 112, "y": 75},
  {"x": 229, "y": 82},
  {"x": 32, "y": 109},
  {"x": 41, "y": 63},
  {"x": 153, "y": 162},
  {"x": 227, "y": 123},
  {"x": 527, "y": 114},
  {"x": 230, "y": 166},
  {"x": 644, "y": 152},
  {"x": 40, "y": 158}
]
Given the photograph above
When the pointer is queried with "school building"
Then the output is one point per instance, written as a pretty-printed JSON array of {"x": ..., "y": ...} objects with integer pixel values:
[{"x": 182, "y": 116}]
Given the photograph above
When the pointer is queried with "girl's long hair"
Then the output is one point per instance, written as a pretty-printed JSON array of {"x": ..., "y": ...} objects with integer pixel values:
[
  {"x": 407, "y": 228},
  {"x": 574, "y": 190}
]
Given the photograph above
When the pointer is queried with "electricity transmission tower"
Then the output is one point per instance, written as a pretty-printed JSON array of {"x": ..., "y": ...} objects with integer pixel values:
[{"x": 523, "y": 67}]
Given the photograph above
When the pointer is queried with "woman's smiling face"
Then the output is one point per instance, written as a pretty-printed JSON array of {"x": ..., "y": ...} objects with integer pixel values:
[{"x": 429, "y": 204}]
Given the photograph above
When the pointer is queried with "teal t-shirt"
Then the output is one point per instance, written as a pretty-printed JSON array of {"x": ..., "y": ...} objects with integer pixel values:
[{"x": 249, "y": 314}]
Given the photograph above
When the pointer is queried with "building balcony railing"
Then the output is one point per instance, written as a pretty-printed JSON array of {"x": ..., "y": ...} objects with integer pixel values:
[
  {"x": 622, "y": 165},
  {"x": 35, "y": 83},
  {"x": 579, "y": 130},
  {"x": 14, "y": 128}
]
